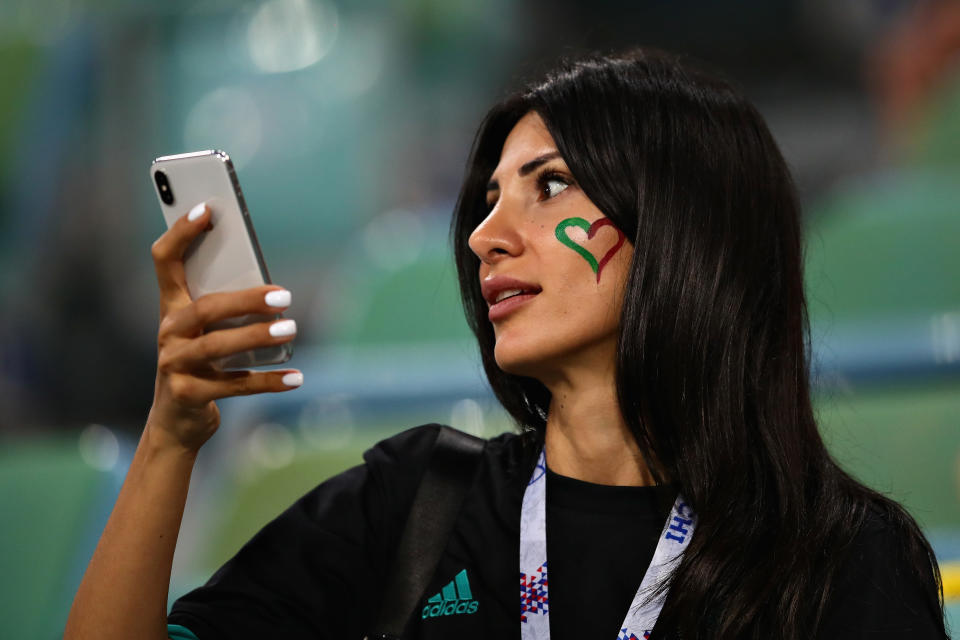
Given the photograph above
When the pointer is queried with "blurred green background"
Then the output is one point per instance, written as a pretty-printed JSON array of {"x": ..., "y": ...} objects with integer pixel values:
[{"x": 349, "y": 124}]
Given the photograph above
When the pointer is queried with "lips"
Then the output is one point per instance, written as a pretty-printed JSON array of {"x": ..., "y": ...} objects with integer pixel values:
[{"x": 504, "y": 294}]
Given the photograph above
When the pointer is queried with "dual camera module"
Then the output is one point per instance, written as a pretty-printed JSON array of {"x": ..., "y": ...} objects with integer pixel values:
[{"x": 163, "y": 186}]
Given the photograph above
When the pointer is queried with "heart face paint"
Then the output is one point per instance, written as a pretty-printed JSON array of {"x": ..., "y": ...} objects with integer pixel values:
[{"x": 591, "y": 229}]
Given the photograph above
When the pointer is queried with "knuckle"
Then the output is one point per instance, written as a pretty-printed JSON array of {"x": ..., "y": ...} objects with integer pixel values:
[
  {"x": 245, "y": 385},
  {"x": 183, "y": 320},
  {"x": 202, "y": 309},
  {"x": 192, "y": 316},
  {"x": 158, "y": 250},
  {"x": 180, "y": 389},
  {"x": 165, "y": 362},
  {"x": 208, "y": 346},
  {"x": 165, "y": 330}
]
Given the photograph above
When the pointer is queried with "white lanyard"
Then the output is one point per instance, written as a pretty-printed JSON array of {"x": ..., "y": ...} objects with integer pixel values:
[{"x": 534, "y": 584}]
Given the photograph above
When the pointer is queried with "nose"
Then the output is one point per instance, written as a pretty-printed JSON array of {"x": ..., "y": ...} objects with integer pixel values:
[{"x": 496, "y": 237}]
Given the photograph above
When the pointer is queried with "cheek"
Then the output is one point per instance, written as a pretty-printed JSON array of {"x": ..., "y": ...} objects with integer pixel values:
[
  {"x": 580, "y": 298},
  {"x": 598, "y": 243},
  {"x": 619, "y": 272},
  {"x": 618, "y": 269},
  {"x": 594, "y": 251}
]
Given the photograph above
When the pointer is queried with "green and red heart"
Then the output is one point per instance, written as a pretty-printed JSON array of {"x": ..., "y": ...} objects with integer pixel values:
[{"x": 591, "y": 229}]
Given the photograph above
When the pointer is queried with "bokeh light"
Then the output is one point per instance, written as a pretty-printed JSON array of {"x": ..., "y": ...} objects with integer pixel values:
[
  {"x": 288, "y": 35},
  {"x": 99, "y": 447}
]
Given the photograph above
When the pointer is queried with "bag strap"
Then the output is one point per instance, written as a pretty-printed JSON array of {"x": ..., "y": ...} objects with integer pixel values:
[{"x": 453, "y": 464}]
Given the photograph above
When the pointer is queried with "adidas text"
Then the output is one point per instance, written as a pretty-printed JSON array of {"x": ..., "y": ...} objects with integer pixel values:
[
  {"x": 454, "y": 599},
  {"x": 450, "y": 609}
]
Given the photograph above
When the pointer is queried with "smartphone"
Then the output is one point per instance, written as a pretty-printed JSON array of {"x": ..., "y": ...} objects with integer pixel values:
[{"x": 227, "y": 257}]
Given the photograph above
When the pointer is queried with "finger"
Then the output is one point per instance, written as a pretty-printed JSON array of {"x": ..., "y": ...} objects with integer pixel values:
[
  {"x": 214, "y": 307},
  {"x": 250, "y": 382},
  {"x": 169, "y": 248},
  {"x": 198, "y": 390},
  {"x": 198, "y": 353}
]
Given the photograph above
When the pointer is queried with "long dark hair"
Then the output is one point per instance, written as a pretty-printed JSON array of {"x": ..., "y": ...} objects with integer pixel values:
[{"x": 713, "y": 353}]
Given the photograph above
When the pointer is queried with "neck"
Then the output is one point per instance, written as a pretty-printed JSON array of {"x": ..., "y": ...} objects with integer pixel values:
[{"x": 587, "y": 438}]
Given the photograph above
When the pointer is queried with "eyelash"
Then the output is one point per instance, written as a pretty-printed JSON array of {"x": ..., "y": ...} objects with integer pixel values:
[
  {"x": 545, "y": 176},
  {"x": 549, "y": 175}
]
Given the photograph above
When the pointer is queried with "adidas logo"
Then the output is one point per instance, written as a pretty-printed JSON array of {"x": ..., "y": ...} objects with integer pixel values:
[{"x": 453, "y": 599}]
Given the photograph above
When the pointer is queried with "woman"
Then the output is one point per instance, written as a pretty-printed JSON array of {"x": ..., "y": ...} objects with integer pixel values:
[{"x": 629, "y": 252}]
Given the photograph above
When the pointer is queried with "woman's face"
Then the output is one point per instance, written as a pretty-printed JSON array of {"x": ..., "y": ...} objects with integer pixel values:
[{"x": 557, "y": 264}]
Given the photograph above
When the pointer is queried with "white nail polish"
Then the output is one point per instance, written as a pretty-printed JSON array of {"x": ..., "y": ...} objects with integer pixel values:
[
  {"x": 279, "y": 298},
  {"x": 196, "y": 212},
  {"x": 283, "y": 328},
  {"x": 292, "y": 379}
]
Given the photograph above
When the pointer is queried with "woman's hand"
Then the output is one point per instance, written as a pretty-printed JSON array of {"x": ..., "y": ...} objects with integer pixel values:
[{"x": 184, "y": 412}]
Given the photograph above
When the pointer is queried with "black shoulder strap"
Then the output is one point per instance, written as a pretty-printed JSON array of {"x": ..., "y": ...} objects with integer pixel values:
[{"x": 450, "y": 472}]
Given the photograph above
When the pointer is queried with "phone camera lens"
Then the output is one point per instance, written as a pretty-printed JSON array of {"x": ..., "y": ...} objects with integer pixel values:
[{"x": 163, "y": 186}]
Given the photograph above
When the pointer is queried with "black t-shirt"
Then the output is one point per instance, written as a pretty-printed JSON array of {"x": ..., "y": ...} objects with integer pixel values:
[{"x": 317, "y": 571}]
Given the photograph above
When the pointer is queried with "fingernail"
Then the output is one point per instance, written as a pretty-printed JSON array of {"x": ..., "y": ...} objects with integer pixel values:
[
  {"x": 283, "y": 328},
  {"x": 294, "y": 379},
  {"x": 197, "y": 211},
  {"x": 279, "y": 298}
]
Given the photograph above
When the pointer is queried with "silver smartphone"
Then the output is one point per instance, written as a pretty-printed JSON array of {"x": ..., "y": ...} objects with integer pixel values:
[{"x": 227, "y": 257}]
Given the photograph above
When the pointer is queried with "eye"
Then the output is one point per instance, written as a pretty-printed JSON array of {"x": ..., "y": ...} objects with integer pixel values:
[
  {"x": 551, "y": 184},
  {"x": 552, "y": 187}
]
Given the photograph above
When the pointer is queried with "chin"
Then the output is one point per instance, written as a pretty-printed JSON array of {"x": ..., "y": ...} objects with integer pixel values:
[
  {"x": 524, "y": 361},
  {"x": 545, "y": 357}
]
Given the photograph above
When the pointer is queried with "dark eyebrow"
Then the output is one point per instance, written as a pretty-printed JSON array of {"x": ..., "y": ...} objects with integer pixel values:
[{"x": 527, "y": 168}]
